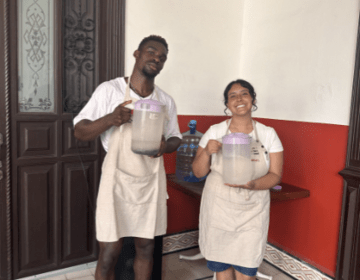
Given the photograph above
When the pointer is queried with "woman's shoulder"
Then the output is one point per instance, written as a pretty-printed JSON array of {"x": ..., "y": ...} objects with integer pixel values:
[
  {"x": 262, "y": 128},
  {"x": 269, "y": 138},
  {"x": 219, "y": 127}
]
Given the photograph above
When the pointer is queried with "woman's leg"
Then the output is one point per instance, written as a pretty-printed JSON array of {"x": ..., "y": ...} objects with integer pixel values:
[
  {"x": 226, "y": 274},
  {"x": 240, "y": 276}
]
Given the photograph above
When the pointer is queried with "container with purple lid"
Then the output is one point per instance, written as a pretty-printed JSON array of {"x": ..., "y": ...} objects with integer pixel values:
[
  {"x": 147, "y": 126},
  {"x": 149, "y": 105},
  {"x": 237, "y": 166}
]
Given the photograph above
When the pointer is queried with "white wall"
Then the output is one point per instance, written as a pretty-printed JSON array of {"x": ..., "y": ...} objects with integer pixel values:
[
  {"x": 204, "y": 48},
  {"x": 298, "y": 54}
]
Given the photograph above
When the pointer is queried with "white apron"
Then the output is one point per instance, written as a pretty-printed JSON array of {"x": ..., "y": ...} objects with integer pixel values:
[
  {"x": 132, "y": 192},
  {"x": 234, "y": 222}
]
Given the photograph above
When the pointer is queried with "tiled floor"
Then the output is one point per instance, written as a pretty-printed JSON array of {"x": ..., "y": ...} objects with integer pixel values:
[
  {"x": 173, "y": 269},
  {"x": 79, "y": 272}
]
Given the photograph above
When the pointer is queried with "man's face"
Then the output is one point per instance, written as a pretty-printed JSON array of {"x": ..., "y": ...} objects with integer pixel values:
[{"x": 150, "y": 59}]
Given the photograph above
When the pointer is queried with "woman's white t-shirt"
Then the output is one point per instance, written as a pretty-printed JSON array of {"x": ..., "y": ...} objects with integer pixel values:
[{"x": 267, "y": 136}]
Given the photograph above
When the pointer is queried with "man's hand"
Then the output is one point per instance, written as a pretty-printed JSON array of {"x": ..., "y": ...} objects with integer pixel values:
[
  {"x": 162, "y": 148},
  {"x": 121, "y": 114}
]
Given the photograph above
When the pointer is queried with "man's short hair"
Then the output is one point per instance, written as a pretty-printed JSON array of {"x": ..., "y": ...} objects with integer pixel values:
[{"x": 153, "y": 38}]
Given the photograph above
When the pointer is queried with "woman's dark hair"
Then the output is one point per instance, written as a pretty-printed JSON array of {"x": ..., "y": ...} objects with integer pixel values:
[{"x": 244, "y": 84}]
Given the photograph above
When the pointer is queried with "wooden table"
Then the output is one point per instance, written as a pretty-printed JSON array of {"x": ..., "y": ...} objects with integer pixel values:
[{"x": 287, "y": 192}]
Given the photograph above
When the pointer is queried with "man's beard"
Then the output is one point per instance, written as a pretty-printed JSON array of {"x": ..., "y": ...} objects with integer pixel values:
[{"x": 150, "y": 75}]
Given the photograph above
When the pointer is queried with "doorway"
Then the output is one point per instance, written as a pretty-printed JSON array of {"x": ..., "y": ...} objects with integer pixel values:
[{"x": 48, "y": 180}]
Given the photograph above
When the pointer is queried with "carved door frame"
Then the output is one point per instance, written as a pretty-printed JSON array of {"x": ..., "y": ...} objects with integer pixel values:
[{"x": 5, "y": 194}]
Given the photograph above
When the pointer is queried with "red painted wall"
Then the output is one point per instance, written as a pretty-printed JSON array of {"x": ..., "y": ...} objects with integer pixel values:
[{"x": 308, "y": 228}]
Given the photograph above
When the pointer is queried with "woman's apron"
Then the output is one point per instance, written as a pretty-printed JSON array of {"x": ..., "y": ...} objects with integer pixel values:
[
  {"x": 132, "y": 192},
  {"x": 234, "y": 222}
]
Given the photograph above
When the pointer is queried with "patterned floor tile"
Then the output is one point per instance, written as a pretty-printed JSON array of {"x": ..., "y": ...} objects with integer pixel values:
[
  {"x": 176, "y": 242},
  {"x": 292, "y": 266}
]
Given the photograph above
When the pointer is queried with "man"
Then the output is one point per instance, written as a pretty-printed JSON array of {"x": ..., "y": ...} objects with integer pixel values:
[{"x": 132, "y": 193}]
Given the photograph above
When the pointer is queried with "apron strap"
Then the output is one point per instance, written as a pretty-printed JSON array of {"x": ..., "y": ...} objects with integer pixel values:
[{"x": 254, "y": 128}]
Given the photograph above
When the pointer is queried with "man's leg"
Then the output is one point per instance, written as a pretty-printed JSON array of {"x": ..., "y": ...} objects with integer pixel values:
[
  {"x": 109, "y": 253},
  {"x": 144, "y": 258}
]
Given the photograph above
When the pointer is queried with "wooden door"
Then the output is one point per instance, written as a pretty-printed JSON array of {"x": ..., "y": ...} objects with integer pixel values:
[
  {"x": 348, "y": 258},
  {"x": 48, "y": 72}
]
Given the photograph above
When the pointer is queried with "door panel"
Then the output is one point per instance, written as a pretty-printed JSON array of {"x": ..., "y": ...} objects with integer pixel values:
[
  {"x": 78, "y": 210},
  {"x": 37, "y": 215},
  {"x": 73, "y": 147},
  {"x": 36, "y": 139}
]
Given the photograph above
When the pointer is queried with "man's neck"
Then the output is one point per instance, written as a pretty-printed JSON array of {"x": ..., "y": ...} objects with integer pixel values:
[{"x": 141, "y": 85}]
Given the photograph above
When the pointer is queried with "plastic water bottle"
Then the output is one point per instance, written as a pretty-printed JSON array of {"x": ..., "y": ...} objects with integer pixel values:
[{"x": 186, "y": 154}]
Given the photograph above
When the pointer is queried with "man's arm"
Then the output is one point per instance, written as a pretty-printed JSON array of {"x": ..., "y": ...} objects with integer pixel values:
[
  {"x": 87, "y": 130},
  {"x": 168, "y": 146}
]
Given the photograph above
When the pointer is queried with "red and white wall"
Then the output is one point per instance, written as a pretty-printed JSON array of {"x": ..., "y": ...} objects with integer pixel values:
[{"x": 299, "y": 55}]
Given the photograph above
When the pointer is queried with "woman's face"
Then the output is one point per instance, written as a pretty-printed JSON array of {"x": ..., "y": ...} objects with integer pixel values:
[{"x": 239, "y": 100}]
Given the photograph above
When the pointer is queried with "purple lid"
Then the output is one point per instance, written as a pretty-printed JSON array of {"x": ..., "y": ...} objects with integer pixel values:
[
  {"x": 277, "y": 188},
  {"x": 236, "y": 138},
  {"x": 149, "y": 105}
]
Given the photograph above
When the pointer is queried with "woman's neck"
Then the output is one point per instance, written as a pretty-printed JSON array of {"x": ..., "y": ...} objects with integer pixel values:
[{"x": 241, "y": 124}]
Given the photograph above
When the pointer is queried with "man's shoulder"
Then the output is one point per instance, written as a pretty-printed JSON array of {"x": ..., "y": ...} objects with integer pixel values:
[
  {"x": 117, "y": 83},
  {"x": 110, "y": 88},
  {"x": 164, "y": 95}
]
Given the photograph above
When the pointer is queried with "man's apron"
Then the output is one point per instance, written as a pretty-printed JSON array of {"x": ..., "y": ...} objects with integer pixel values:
[
  {"x": 234, "y": 222},
  {"x": 132, "y": 192}
]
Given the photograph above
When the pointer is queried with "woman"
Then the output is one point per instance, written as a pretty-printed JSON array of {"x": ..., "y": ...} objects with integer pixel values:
[{"x": 234, "y": 219}]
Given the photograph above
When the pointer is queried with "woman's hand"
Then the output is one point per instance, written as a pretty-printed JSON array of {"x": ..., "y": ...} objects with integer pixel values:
[
  {"x": 212, "y": 147},
  {"x": 201, "y": 163},
  {"x": 249, "y": 185}
]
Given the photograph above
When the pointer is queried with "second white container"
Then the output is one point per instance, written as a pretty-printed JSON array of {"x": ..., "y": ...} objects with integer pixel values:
[{"x": 236, "y": 150}]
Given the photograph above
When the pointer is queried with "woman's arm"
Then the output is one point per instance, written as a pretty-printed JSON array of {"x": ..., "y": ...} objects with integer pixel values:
[
  {"x": 271, "y": 179},
  {"x": 201, "y": 163}
]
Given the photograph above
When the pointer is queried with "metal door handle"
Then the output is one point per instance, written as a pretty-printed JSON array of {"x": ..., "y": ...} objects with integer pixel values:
[{"x": 1, "y": 175}]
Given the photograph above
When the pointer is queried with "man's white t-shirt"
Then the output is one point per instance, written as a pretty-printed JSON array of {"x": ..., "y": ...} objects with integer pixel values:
[
  {"x": 267, "y": 136},
  {"x": 110, "y": 94}
]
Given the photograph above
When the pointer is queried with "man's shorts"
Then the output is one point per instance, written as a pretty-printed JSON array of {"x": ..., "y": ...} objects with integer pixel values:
[{"x": 218, "y": 267}]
